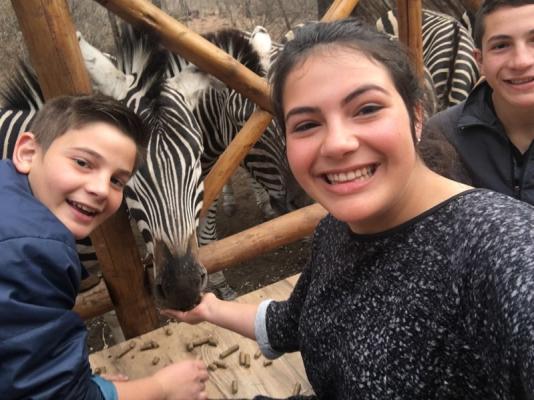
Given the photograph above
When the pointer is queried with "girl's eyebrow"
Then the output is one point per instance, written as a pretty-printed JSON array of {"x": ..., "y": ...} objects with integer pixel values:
[
  {"x": 361, "y": 90},
  {"x": 347, "y": 99}
]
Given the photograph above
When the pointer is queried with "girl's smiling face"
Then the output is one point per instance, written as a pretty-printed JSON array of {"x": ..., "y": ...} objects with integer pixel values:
[{"x": 349, "y": 140}]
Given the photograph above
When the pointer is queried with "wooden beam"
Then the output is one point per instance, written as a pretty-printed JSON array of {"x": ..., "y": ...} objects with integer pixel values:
[
  {"x": 51, "y": 40},
  {"x": 339, "y": 9},
  {"x": 409, "y": 17},
  {"x": 262, "y": 238},
  {"x": 181, "y": 40},
  {"x": 229, "y": 251},
  {"x": 48, "y": 32}
]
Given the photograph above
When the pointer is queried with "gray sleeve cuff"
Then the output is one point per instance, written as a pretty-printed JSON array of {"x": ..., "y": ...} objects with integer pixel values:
[{"x": 260, "y": 330}]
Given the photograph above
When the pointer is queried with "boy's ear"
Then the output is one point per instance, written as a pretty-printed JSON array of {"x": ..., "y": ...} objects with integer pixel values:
[
  {"x": 477, "y": 53},
  {"x": 26, "y": 148}
]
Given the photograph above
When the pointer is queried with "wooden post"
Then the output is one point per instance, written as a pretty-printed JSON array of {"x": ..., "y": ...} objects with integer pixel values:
[
  {"x": 51, "y": 40},
  {"x": 339, "y": 9},
  {"x": 409, "y": 17}
]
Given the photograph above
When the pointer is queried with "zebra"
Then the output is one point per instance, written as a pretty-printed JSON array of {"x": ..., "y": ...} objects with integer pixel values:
[
  {"x": 447, "y": 54},
  {"x": 165, "y": 196}
]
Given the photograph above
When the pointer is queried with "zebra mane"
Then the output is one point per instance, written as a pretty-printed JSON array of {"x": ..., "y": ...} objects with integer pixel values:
[
  {"x": 236, "y": 43},
  {"x": 22, "y": 91},
  {"x": 141, "y": 55}
]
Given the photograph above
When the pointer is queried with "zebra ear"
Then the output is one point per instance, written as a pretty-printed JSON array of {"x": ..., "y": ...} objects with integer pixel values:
[{"x": 26, "y": 148}]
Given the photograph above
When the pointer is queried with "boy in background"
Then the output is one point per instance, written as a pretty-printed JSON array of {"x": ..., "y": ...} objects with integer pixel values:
[{"x": 493, "y": 129}]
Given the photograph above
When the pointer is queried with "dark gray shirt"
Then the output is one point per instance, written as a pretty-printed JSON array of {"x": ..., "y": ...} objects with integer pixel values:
[{"x": 441, "y": 307}]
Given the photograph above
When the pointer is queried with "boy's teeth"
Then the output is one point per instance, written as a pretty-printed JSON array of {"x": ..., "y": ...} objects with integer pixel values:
[
  {"x": 85, "y": 209},
  {"x": 519, "y": 81}
]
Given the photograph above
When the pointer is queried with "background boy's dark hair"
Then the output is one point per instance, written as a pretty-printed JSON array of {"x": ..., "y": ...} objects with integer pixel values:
[
  {"x": 488, "y": 7},
  {"x": 60, "y": 114}
]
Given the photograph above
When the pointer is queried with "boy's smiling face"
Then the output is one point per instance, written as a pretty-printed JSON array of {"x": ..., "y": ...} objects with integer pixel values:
[
  {"x": 507, "y": 56},
  {"x": 81, "y": 176}
]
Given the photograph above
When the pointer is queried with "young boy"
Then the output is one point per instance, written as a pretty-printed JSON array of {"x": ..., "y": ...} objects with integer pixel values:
[
  {"x": 493, "y": 129},
  {"x": 66, "y": 177}
]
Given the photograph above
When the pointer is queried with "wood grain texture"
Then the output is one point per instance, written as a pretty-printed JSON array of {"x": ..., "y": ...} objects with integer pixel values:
[{"x": 276, "y": 380}]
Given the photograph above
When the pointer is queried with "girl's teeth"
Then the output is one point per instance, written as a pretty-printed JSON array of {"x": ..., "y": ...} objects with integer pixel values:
[{"x": 361, "y": 173}]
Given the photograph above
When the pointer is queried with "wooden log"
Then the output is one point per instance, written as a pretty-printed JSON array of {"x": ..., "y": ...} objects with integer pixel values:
[
  {"x": 260, "y": 239},
  {"x": 409, "y": 17},
  {"x": 226, "y": 164},
  {"x": 123, "y": 273},
  {"x": 51, "y": 40},
  {"x": 94, "y": 302},
  {"x": 48, "y": 32},
  {"x": 178, "y": 38},
  {"x": 339, "y": 9},
  {"x": 229, "y": 251}
]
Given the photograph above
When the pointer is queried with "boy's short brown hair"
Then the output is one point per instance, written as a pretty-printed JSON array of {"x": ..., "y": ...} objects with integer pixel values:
[
  {"x": 63, "y": 113},
  {"x": 488, "y": 7}
]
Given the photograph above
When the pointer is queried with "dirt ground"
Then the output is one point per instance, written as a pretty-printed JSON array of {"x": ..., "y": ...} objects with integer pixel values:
[{"x": 244, "y": 277}]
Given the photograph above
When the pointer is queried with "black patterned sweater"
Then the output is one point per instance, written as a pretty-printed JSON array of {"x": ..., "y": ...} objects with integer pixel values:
[{"x": 441, "y": 307}]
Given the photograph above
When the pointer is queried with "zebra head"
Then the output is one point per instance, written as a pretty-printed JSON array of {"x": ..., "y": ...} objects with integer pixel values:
[{"x": 165, "y": 196}]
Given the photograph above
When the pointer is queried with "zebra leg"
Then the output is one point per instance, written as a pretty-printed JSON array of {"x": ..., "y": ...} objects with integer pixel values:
[
  {"x": 262, "y": 199},
  {"x": 207, "y": 233},
  {"x": 228, "y": 197}
]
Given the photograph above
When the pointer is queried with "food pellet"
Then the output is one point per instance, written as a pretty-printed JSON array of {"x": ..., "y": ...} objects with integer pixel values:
[
  {"x": 212, "y": 367},
  {"x": 247, "y": 360},
  {"x": 168, "y": 331},
  {"x": 155, "y": 360},
  {"x": 149, "y": 345},
  {"x": 234, "y": 387},
  {"x": 266, "y": 363},
  {"x": 241, "y": 358},
  {"x": 219, "y": 364},
  {"x": 212, "y": 341},
  {"x": 296, "y": 389},
  {"x": 200, "y": 342},
  {"x": 229, "y": 351},
  {"x": 257, "y": 354},
  {"x": 190, "y": 347},
  {"x": 130, "y": 346}
]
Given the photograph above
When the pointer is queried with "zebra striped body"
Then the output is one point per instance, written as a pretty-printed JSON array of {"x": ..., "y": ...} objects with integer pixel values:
[{"x": 447, "y": 55}]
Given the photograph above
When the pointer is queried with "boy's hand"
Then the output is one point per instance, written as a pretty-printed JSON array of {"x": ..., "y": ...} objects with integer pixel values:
[
  {"x": 183, "y": 381},
  {"x": 202, "y": 312}
]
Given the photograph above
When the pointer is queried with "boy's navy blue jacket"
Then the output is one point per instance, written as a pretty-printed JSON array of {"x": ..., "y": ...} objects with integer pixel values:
[{"x": 43, "y": 351}]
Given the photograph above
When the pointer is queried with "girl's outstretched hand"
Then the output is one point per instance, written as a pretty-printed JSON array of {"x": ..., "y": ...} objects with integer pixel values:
[{"x": 202, "y": 312}]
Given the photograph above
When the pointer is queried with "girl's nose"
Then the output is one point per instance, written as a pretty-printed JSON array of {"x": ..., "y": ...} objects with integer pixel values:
[{"x": 339, "y": 140}]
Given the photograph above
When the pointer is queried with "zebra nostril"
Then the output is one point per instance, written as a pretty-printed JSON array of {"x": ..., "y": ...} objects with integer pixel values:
[
  {"x": 160, "y": 292},
  {"x": 203, "y": 280}
]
